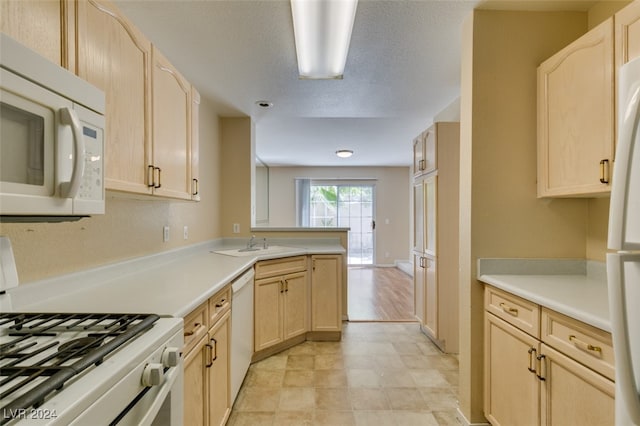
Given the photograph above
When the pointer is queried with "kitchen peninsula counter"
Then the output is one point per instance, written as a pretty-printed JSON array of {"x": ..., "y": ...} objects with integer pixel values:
[
  {"x": 171, "y": 283},
  {"x": 576, "y": 288}
]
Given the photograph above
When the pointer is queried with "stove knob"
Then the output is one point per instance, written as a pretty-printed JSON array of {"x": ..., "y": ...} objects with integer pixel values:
[
  {"x": 153, "y": 374},
  {"x": 170, "y": 357}
]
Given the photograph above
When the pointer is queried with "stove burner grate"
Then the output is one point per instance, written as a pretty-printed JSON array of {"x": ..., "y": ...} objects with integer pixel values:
[{"x": 43, "y": 366}]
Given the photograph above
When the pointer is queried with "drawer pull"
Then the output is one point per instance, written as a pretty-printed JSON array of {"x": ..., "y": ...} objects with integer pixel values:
[
  {"x": 584, "y": 346},
  {"x": 508, "y": 309},
  {"x": 221, "y": 303},
  {"x": 193, "y": 331},
  {"x": 532, "y": 357},
  {"x": 541, "y": 361}
]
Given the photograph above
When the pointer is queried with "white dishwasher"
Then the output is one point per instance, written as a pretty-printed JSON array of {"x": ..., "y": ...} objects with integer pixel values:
[{"x": 241, "y": 329}]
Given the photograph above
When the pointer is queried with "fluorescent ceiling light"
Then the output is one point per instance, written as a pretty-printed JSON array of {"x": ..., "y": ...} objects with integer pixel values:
[
  {"x": 322, "y": 30},
  {"x": 344, "y": 153}
]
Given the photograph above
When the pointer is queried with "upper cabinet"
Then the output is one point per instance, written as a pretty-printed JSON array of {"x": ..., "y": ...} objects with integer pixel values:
[
  {"x": 576, "y": 116},
  {"x": 47, "y": 33},
  {"x": 425, "y": 159},
  {"x": 171, "y": 130},
  {"x": 114, "y": 56},
  {"x": 576, "y": 108},
  {"x": 627, "y": 34}
]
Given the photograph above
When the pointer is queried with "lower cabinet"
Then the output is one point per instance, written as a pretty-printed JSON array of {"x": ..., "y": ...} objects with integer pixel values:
[
  {"x": 280, "y": 309},
  {"x": 207, "y": 399},
  {"x": 326, "y": 293},
  {"x": 292, "y": 304},
  {"x": 529, "y": 382}
]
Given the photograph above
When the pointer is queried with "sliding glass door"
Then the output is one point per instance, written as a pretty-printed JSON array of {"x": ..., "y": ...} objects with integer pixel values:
[{"x": 347, "y": 205}]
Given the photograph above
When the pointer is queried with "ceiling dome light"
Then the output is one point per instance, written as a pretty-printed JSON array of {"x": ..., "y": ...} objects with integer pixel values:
[{"x": 344, "y": 153}]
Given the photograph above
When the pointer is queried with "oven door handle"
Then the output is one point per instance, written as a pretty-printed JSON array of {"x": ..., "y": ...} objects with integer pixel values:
[{"x": 171, "y": 381}]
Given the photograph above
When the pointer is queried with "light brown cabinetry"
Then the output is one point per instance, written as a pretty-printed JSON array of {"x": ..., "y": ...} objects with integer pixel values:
[
  {"x": 326, "y": 292},
  {"x": 576, "y": 107},
  {"x": 281, "y": 301},
  {"x": 425, "y": 159},
  {"x": 115, "y": 57},
  {"x": 543, "y": 368},
  {"x": 436, "y": 205},
  {"x": 207, "y": 396},
  {"x": 576, "y": 116},
  {"x": 44, "y": 26},
  {"x": 150, "y": 111},
  {"x": 171, "y": 129}
]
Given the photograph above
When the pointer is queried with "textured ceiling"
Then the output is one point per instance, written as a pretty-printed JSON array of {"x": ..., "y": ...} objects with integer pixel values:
[{"x": 403, "y": 68}]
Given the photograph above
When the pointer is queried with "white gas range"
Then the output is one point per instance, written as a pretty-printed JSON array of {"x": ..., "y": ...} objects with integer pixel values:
[{"x": 87, "y": 368}]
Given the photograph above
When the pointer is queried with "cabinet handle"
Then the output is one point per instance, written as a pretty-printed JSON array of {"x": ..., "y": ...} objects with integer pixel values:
[
  {"x": 210, "y": 355},
  {"x": 508, "y": 309},
  {"x": 150, "y": 176},
  {"x": 215, "y": 350},
  {"x": 159, "y": 177},
  {"x": 196, "y": 187},
  {"x": 532, "y": 356},
  {"x": 193, "y": 330},
  {"x": 221, "y": 303},
  {"x": 423, "y": 165},
  {"x": 286, "y": 285},
  {"x": 281, "y": 286},
  {"x": 541, "y": 361},
  {"x": 604, "y": 171},
  {"x": 584, "y": 346},
  {"x": 422, "y": 262}
]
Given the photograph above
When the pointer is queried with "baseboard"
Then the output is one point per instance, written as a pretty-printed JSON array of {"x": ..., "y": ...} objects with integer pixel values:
[
  {"x": 463, "y": 420},
  {"x": 405, "y": 266}
]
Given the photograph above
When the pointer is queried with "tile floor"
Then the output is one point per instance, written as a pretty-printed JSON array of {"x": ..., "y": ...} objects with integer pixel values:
[{"x": 379, "y": 374}]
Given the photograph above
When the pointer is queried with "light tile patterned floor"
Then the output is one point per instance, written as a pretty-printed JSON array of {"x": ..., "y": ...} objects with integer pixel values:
[{"x": 380, "y": 374}]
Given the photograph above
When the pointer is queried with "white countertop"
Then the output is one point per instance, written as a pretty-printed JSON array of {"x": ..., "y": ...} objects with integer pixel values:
[
  {"x": 576, "y": 288},
  {"x": 170, "y": 283}
]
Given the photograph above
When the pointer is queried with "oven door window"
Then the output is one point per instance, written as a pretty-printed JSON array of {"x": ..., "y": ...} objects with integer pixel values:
[{"x": 26, "y": 144}]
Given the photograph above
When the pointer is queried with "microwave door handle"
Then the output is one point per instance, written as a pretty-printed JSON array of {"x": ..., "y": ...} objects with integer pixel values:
[{"x": 69, "y": 189}]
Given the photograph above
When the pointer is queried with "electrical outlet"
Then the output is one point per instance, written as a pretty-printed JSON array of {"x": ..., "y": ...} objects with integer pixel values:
[
  {"x": 165, "y": 234},
  {"x": 236, "y": 228},
  {"x": 185, "y": 232}
]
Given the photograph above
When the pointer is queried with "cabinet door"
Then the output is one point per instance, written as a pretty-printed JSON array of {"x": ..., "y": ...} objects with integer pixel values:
[
  {"x": 296, "y": 299},
  {"x": 576, "y": 116},
  {"x": 419, "y": 162},
  {"x": 38, "y": 24},
  {"x": 196, "y": 390},
  {"x": 431, "y": 296},
  {"x": 171, "y": 129},
  {"x": 418, "y": 286},
  {"x": 573, "y": 394},
  {"x": 430, "y": 149},
  {"x": 195, "y": 144},
  {"x": 268, "y": 314},
  {"x": 627, "y": 33},
  {"x": 511, "y": 391},
  {"x": 430, "y": 214},
  {"x": 418, "y": 216},
  {"x": 326, "y": 292},
  {"x": 115, "y": 57},
  {"x": 219, "y": 399}
]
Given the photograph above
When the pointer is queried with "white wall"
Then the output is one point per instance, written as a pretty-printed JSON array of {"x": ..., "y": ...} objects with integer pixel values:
[{"x": 392, "y": 202}]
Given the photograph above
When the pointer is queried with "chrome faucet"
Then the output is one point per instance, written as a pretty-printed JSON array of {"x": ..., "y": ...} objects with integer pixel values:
[{"x": 251, "y": 243}]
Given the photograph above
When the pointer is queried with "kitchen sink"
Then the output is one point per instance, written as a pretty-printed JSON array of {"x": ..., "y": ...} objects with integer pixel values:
[{"x": 254, "y": 251}]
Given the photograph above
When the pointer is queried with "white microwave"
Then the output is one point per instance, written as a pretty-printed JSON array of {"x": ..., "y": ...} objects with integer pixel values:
[{"x": 51, "y": 139}]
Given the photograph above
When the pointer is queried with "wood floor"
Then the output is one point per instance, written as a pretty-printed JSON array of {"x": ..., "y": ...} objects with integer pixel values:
[{"x": 380, "y": 294}]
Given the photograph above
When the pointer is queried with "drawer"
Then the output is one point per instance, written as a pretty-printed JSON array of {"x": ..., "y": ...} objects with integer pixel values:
[
  {"x": 195, "y": 327},
  {"x": 515, "y": 310},
  {"x": 586, "y": 344},
  {"x": 219, "y": 304},
  {"x": 285, "y": 265}
]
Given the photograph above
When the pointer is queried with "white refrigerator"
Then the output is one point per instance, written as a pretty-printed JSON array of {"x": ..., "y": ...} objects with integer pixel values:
[{"x": 623, "y": 259}]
